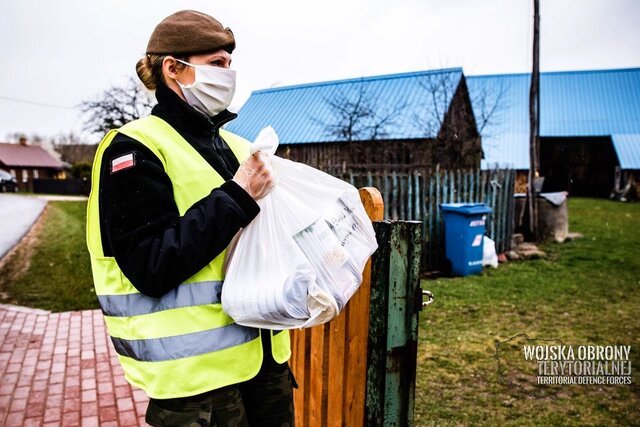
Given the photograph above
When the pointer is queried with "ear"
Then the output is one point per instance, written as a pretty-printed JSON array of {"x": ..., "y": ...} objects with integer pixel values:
[{"x": 169, "y": 67}]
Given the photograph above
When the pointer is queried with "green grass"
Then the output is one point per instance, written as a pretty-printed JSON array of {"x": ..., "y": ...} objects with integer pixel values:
[
  {"x": 51, "y": 270},
  {"x": 585, "y": 292}
]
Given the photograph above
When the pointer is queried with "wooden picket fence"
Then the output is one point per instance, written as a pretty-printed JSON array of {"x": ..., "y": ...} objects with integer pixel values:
[{"x": 417, "y": 195}]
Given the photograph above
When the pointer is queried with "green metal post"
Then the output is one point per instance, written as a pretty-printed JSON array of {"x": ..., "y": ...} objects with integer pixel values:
[{"x": 393, "y": 328}]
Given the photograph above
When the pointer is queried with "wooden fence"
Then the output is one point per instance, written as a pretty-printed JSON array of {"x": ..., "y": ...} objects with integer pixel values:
[
  {"x": 417, "y": 195},
  {"x": 330, "y": 360},
  {"x": 360, "y": 368}
]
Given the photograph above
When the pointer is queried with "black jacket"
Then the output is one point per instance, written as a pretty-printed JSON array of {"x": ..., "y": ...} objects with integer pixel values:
[{"x": 154, "y": 246}]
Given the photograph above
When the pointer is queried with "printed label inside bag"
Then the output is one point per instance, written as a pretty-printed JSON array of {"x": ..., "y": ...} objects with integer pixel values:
[
  {"x": 321, "y": 246},
  {"x": 342, "y": 221}
]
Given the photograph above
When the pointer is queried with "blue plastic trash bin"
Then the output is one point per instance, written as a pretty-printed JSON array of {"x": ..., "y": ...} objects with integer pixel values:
[{"x": 464, "y": 228}]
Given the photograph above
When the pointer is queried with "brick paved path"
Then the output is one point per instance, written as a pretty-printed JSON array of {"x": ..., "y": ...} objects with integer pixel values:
[{"x": 60, "y": 369}]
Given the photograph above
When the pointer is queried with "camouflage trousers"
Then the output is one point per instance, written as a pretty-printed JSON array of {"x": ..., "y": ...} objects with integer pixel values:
[{"x": 266, "y": 400}]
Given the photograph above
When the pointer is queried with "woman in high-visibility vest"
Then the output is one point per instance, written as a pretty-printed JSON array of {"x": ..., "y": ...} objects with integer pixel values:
[{"x": 169, "y": 192}]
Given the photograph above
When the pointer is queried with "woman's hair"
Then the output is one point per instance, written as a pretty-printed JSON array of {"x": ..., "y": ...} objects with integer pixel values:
[{"x": 149, "y": 70}]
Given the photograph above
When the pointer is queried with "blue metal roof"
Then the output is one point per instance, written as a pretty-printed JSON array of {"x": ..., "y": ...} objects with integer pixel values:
[
  {"x": 574, "y": 103},
  {"x": 628, "y": 149},
  {"x": 505, "y": 150},
  {"x": 300, "y": 114}
]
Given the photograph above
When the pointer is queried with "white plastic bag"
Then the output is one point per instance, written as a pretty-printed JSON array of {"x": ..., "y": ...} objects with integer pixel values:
[
  {"x": 301, "y": 259},
  {"x": 489, "y": 256}
]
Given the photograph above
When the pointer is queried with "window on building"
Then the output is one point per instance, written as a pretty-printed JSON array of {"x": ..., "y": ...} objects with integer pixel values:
[
  {"x": 25, "y": 175},
  {"x": 35, "y": 174},
  {"x": 13, "y": 172}
]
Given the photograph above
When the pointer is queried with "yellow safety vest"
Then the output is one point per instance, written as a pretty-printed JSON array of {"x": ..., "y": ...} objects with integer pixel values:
[{"x": 183, "y": 343}]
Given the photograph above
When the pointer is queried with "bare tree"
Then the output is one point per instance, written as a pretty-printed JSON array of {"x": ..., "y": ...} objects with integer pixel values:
[
  {"x": 439, "y": 89},
  {"x": 489, "y": 102},
  {"x": 16, "y": 136},
  {"x": 73, "y": 149},
  {"x": 115, "y": 106},
  {"x": 67, "y": 138},
  {"x": 442, "y": 112},
  {"x": 359, "y": 116},
  {"x": 445, "y": 116},
  {"x": 455, "y": 117}
]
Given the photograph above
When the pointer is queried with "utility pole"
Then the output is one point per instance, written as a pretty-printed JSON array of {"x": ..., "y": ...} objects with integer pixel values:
[{"x": 534, "y": 127}]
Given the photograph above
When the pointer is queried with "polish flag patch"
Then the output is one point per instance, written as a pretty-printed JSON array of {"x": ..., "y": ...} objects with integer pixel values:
[{"x": 123, "y": 162}]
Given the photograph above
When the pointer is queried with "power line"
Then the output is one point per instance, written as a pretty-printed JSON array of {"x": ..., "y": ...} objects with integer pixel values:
[{"x": 41, "y": 104}]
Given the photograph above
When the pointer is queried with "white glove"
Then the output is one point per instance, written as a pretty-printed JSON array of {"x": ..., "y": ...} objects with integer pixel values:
[{"x": 255, "y": 175}]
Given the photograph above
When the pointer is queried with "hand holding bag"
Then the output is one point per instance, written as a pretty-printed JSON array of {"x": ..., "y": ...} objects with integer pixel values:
[{"x": 301, "y": 259}]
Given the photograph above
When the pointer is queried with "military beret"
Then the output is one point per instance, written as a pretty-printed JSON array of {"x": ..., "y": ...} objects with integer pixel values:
[{"x": 189, "y": 32}]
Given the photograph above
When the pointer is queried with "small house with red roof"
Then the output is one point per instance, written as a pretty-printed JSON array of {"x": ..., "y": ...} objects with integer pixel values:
[{"x": 28, "y": 163}]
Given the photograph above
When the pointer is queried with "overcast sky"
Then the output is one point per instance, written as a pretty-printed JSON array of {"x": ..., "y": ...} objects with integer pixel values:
[{"x": 56, "y": 53}]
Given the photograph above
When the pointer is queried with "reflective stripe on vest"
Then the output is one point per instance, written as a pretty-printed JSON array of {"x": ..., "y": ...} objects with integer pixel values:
[
  {"x": 183, "y": 343},
  {"x": 186, "y": 295}
]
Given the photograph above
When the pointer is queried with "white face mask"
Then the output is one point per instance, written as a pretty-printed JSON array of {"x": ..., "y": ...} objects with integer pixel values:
[{"x": 212, "y": 90}]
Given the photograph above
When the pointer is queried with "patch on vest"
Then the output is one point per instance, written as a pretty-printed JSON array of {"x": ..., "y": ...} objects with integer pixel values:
[{"x": 123, "y": 162}]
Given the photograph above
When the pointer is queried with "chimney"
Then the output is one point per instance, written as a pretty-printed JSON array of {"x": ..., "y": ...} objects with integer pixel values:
[{"x": 23, "y": 141}]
